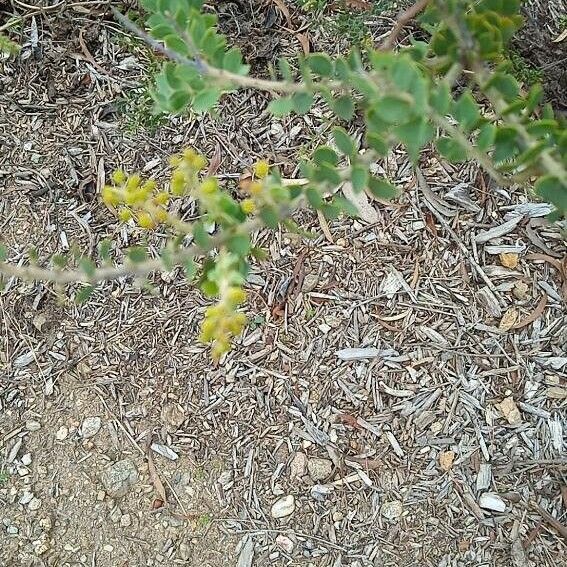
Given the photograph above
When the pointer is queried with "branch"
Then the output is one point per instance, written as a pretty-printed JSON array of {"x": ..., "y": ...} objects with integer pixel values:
[
  {"x": 407, "y": 15},
  {"x": 62, "y": 277},
  {"x": 219, "y": 75}
]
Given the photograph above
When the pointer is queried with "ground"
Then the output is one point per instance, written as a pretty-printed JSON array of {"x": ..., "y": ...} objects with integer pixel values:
[{"x": 440, "y": 443}]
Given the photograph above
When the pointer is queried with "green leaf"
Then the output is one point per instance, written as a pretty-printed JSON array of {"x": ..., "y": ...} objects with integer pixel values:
[
  {"x": 285, "y": 69},
  {"x": 343, "y": 107},
  {"x": 466, "y": 112},
  {"x": 394, "y": 109},
  {"x": 87, "y": 266},
  {"x": 377, "y": 143},
  {"x": 232, "y": 62},
  {"x": 281, "y": 106},
  {"x": 314, "y": 198},
  {"x": 415, "y": 135},
  {"x": 320, "y": 64},
  {"x": 104, "y": 249},
  {"x": 382, "y": 188},
  {"x": 485, "y": 137},
  {"x": 359, "y": 177},
  {"x": 344, "y": 142},
  {"x": 345, "y": 206},
  {"x": 505, "y": 84},
  {"x": 451, "y": 149},
  {"x": 325, "y": 155},
  {"x": 206, "y": 99},
  {"x": 239, "y": 244},
  {"x": 201, "y": 236},
  {"x": 3, "y": 253},
  {"x": 327, "y": 173},
  {"x": 440, "y": 98},
  {"x": 505, "y": 143},
  {"x": 302, "y": 102},
  {"x": 84, "y": 294},
  {"x": 59, "y": 261},
  {"x": 137, "y": 254},
  {"x": 190, "y": 269},
  {"x": 269, "y": 217},
  {"x": 550, "y": 189},
  {"x": 209, "y": 288}
]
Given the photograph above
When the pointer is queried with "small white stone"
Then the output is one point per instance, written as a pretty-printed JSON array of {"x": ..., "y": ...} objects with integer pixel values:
[
  {"x": 26, "y": 498},
  {"x": 32, "y": 425},
  {"x": 62, "y": 433},
  {"x": 108, "y": 548},
  {"x": 285, "y": 544},
  {"x": 283, "y": 507},
  {"x": 12, "y": 530},
  {"x": 90, "y": 427},
  {"x": 26, "y": 459},
  {"x": 491, "y": 501},
  {"x": 392, "y": 510},
  {"x": 35, "y": 504}
]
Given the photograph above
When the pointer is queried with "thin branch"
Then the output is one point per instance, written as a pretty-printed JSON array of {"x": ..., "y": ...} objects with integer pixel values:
[
  {"x": 219, "y": 75},
  {"x": 405, "y": 17},
  {"x": 62, "y": 277}
]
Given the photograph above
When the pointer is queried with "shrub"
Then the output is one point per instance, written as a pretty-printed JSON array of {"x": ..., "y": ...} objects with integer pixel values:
[{"x": 452, "y": 91}]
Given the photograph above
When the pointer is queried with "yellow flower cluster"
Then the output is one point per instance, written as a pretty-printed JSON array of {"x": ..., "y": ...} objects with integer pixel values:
[
  {"x": 223, "y": 322},
  {"x": 143, "y": 202},
  {"x": 255, "y": 188}
]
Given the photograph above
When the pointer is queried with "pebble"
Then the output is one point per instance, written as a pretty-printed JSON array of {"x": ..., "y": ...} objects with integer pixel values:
[
  {"x": 319, "y": 469},
  {"x": 26, "y": 498},
  {"x": 26, "y": 459},
  {"x": 90, "y": 427},
  {"x": 298, "y": 465},
  {"x": 119, "y": 477},
  {"x": 184, "y": 552},
  {"x": 12, "y": 530},
  {"x": 35, "y": 504},
  {"x": 491, "y": 501},
  {"x": 108, "y": 547},
  {"x": 285, "y": 544},
  {"x": 321, "y": 491},
  {"x": 32, "y": 425},
  {"x": 283, "y": 507},
  {"x": 392, "y": 510},
  {"x": 62, "y": 433},
  {"x": 126, "y": 521}
]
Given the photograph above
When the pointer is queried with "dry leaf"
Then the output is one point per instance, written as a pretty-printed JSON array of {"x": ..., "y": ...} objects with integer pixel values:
[
  {"x": 537, "y": 312},
  {"x": 561, "y": 36},
  {"x": 303, "y": 39},
  {"x": 446, "y": 459},
  {"x": 510, "y": 411},
  {"x": 509, "y": 259},
  {"x": 508, "y": 319},
  {"x": 325, "y": 227},
  {"x": 360, "y": 200},
  {"x": 156, "y": 481},
  {"x": 284, "y": 10},
  {"x": 557, "y": 393},
  {"x": 216, "y": 160}
]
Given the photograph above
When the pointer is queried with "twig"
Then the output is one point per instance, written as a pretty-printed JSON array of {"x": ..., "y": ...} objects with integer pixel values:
[
  {"x": 555, "y": 524},
  {"x": 62, "y": 277},
  {"x": 407, "y": 15},
  {"x": 220, "y": 75}
]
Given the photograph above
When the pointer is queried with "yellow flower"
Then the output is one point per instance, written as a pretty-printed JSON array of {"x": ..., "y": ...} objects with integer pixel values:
[
  {"x": 145, "y": 220},
  {"x": 261, "y": 168},
  {"x": 161, "y": 215},
  {"x": 248, "y": 206},
  {"x": 209, "y": 186},
  {"x": 178, "y": 183},
  {"x": 110, "y": 196},
  {"x": 125, "y": 215},
  {"x": 118, "y": 177},
  {"x": 161, "y": 198},
  {"x": 236, "y": 295},
  {"x": 133, "y": 182}
]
